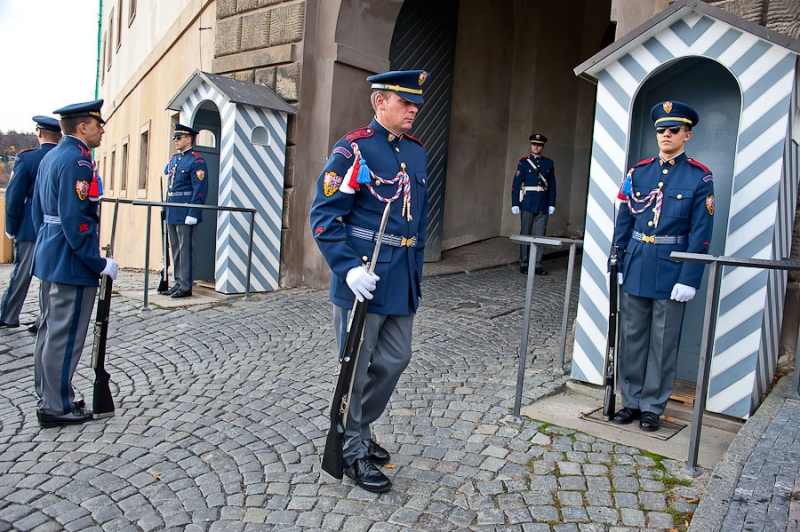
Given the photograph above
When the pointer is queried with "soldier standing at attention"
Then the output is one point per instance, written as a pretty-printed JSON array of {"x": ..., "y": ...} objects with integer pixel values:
[
  {"x": 368, "y": 168},
  {"x": 186, "y": 173},
  {"x": 67, "y": 260},
  {"x": 668, "y": 205},
  {"x": 19, "y": 226},
  {"x": 534, "y": 193}
]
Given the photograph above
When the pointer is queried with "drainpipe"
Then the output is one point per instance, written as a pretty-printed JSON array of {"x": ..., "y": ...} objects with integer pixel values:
[{"x": 99, "y": 51}]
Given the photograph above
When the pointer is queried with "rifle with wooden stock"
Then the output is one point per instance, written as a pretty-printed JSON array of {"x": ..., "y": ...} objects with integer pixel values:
[
  {"x": 102, "y": 401},
  {"x": 348, "y": 361},
  {"x": 610, "y": 398}
]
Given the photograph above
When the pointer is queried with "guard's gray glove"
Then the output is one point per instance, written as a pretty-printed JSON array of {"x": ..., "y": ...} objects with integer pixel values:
[
  {"x": 682, "y": 293},
  {"x": 111, "y": 269},
  {"x": 361, "y": 282}
]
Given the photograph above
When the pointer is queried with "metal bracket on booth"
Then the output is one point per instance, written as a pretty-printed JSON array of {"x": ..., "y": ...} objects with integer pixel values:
[
  {"x": 707, "y": 343},
  {"x": 533, "y": 241}
]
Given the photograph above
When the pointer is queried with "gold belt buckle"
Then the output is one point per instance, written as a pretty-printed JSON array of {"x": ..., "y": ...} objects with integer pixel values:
[
  {"x": 407, "y": 242},
  {"x": 649, "y": 239}
]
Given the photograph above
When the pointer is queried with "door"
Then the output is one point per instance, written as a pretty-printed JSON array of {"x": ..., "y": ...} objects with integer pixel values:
[
  {"x": 207, "y": 122},
  {"x": 714, "y": 93}
]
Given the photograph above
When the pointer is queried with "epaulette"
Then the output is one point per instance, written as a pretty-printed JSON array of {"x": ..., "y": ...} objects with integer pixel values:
[
  {"x": 546, "y": 158},
  {"x": 409, "y": 137},
  {"x": 25, "y": 151},
  {"x": 360, "y": 133},
  {"x": 523, "y": 159},
  {"x": 646, "y": 161},
  {"x": 196, "y": 154},
  {"x": 698, "y": 164}
]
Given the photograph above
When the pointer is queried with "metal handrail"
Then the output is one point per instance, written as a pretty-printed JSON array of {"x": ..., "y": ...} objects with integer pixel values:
[
  {"x": 151, "y": 204},
  {"x": 707, "y": 344}
]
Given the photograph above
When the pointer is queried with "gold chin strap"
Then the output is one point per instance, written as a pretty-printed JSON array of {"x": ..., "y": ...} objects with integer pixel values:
[{"x": 673, "y": 119}]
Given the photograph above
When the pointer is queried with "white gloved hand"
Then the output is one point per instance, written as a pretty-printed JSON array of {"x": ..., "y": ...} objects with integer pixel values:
[
  {"x": 111, "y": 269},
  {"x": 515, "y": 210},
  {"x": 551, "y": 210},
  {"x": 8, "y": 236},
  {"x": 682, "y": 293},
  {"x": 361, "y": 282},
  {"x": 608, "y": 281},
  {"x": 190, "y": 220},
  {"x": 619, "y": 278}
]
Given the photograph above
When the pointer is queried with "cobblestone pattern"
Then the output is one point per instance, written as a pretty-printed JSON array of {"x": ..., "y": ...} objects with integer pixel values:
[
  {"x": 767, "y": 486},
  {"x": 221, "y": 419}
]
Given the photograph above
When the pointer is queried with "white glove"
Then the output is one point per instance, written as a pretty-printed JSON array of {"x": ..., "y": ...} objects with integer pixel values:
[
  {"x": 619, "y": 279},
  {"x": 190, "y": 220},
  {"x": 608, "y": 281},
  {"x": 111, "y": 269},
  {"x": 8, "y": 236},
  {"x": 515, "y": 210},
  {"x": 361, "y": 282},
  {"x": 551, "y": 210},
  {"x": 682, "y": 293}
]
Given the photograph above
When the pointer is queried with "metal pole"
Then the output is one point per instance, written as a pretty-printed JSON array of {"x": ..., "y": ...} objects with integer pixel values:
[
  {"x": 249, "y": 256},
  {"x": 565, "y": 315},
  {"x": 145, "y": 305},
  {"x": 526, "y": 320},
  {"x": 706, "y": 347}
]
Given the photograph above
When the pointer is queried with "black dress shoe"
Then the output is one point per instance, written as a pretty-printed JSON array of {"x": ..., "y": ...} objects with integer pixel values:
[
  {"x": 523, "y": 270},
  {"x": 33, "y": 329},
  {"x": 181, "y": 293},
  {"x": 626, "y": 416},
  {"x": 75, "y": 417},
  {"x": 649, "y": 422},
  {"x": 540, "y": 271},
  {"x": 170, "y": 291},
  {"x": 368, "y": 477},
  {"x": 377, "y": 454},
  {"x": 4, "y": 325}
]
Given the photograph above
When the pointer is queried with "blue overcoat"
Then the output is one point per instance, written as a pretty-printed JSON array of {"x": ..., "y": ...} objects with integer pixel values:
[
  {"x": 186, "y": 173},
  {"x": 527, "y": 176},
  {"x": 19, "y": 194},
  {"x": 335, "y": 215}
]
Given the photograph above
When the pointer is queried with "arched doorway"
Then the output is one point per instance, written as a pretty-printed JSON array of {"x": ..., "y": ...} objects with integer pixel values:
[{"x": 207, "y": 122}]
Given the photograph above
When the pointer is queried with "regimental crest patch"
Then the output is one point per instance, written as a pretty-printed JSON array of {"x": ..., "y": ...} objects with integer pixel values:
[
  {"x": 710, "y": 205},
  {"x": 667, "y": 107},
  {"x": 201, "y": 174},
  {"x": 82, "y": 188},
  {"x": 331, "y": 183}
]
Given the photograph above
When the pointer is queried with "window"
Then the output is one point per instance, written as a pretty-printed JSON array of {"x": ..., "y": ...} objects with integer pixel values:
[
  {"x": 131, "y": 11},
  {"x": 103, "y": 52},
  {"x": 103, "y": 175},
  {"x": 144, "y": 155},
  {"x": 110, "y": 39},
  {"x": 207, "y": 138},
  {"x": 113, "y": 168},
  {"x": 123, "y": 174},
  {"x": 260, "y": 136},
  {"x": 119, "y": 23}
]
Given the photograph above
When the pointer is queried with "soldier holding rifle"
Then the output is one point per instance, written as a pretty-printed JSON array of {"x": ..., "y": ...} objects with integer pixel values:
[
  {"x": 668, "y": 205},
  {"x": 368, "y": 168}
]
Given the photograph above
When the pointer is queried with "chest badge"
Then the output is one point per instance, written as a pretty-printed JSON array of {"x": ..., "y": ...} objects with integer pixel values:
[{"x": 82, "y": 189}]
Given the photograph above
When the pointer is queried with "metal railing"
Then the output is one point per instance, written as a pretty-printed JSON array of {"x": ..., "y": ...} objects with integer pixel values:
[
  {"x": 151, "y": 204},
  {"x": 548, "y": 241},
  {"x": 709, "y": 326}
]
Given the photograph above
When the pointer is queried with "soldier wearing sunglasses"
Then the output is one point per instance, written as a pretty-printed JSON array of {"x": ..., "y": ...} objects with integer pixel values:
[{"x": 667, "y": 205}]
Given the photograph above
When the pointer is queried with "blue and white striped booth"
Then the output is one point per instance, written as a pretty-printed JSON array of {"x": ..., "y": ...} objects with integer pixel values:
[
  {"x": 743, "y": 80},
  {"x": 252, "y": 123}
]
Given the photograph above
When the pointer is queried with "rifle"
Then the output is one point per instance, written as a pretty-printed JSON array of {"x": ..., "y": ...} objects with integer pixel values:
[
  {"x": 348, "y": 361},
  {"x": 103, "y": 402},
  {"x": 163, "y": 284},
  {"x": 610, "y": 398}
]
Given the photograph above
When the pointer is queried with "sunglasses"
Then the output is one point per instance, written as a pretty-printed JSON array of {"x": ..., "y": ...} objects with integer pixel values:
[{"x": 672, "y": 129}]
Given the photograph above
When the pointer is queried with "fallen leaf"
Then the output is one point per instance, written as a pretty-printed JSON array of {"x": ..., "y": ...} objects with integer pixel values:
[
  {"x": 156, "y": 475},
  {"x": 693, "y": 501},
  {"x": 389, "y": 466},
  {"x": 669, "y": 419}
]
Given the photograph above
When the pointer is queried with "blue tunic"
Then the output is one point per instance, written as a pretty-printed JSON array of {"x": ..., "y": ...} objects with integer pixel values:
[
  {"x": 19, "y": 194},
  {"x": 68, "y": 246},
  {"x": 333, "y": 211},
  {"x": 187, "y": 173},
  {"x": 687, "y": 210},
  {"x": 526, "y": 176}
]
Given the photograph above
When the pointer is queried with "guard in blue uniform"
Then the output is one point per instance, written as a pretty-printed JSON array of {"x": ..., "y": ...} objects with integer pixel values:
[
  {"x": 667, "y": 205},
  {"x": 67, "y": 260},
  {"x": 369, "y": 167},
  {"x": 534, "y": 193},
  {"x": 186, "y": 176},
  {"x": 19, "y": 226}
]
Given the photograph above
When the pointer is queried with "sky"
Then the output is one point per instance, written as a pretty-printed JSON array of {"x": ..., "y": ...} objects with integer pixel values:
[{"x": 49, "y": 50}]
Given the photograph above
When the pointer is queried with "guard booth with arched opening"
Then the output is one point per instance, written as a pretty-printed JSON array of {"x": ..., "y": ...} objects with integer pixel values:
[
  {"x": 743, "y": 81},
  {"x": 246, "y": 165}
]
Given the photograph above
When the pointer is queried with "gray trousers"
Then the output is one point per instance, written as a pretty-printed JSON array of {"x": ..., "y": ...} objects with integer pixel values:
[
  {"x": 19, "y": 282},
  {"x": 529, "y": 221},
  {"x": 649, "y": 331},
  {"x": 65, "y": 313},
  {"x": 385, "y": 354},
  {"x": 181, "y": 243}
]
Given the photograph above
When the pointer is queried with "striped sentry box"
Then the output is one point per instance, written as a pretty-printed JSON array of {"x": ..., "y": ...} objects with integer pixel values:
[{"x": 763, "y": 194}]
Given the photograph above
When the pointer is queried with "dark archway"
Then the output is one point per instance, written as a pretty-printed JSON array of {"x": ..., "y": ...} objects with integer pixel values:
[{"x": 207, "y": 122}]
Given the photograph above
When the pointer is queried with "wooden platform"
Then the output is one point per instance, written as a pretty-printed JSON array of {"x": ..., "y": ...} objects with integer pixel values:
[
  {"x": 684, "y": 392},
  {"x": 666, "y": 430}
]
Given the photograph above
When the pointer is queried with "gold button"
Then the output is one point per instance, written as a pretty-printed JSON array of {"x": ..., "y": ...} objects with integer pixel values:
[
  {"x": 650, "y": 223},
  {"x": 397, "y": 149},
  {"x": 638, "y": 194},
  {"x": 377, "y": 183},
  {"x": 364, "y": 258},
  {"x": 423, "y": 181},
  {"x": 680, "y": 196},
  {"x": 660, "y": 184},
  {"x": 664, "y": 171}
]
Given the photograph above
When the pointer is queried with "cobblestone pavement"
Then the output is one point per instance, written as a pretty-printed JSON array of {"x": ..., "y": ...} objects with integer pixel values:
[{"x": 221, "y": 419}]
